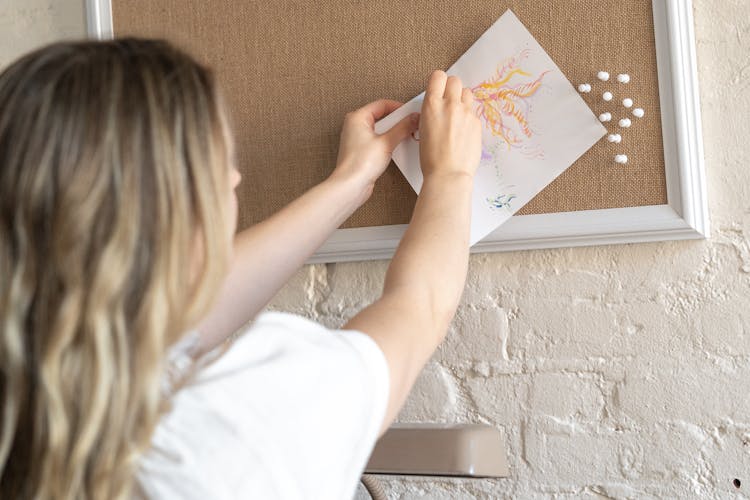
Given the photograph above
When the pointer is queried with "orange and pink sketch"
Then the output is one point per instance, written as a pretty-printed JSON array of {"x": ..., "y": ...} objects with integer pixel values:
[{"x": 504, "y": 100}]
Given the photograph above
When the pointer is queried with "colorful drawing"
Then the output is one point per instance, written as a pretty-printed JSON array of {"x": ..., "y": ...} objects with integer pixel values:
[
  {"x": 504, "y": 100},
  {"x": 534, "y": 123}
]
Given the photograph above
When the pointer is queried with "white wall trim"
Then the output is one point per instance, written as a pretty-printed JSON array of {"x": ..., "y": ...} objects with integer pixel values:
[
  {"x": 99, "y": 19},
  {"x": 685, "y": 216}
]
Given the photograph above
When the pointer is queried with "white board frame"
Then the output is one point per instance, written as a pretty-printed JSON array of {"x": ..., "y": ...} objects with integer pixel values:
[{"x": 685, "y": 216}]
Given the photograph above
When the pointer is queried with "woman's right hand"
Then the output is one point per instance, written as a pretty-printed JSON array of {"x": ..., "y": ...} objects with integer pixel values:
[{"x": 450, "y": 136}]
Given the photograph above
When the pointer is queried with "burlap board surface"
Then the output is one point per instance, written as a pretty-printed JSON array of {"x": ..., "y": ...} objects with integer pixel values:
[{"x": 291, "y": 69}]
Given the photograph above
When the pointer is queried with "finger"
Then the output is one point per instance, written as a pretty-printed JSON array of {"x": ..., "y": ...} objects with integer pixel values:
[
  {"x": 467, "y": 96},
  {"x": 378, "y": 109},
  {"x": 453, "y": 89},
  {"x": 436, "y": 85},
  {"x": 401, "y": 131}
]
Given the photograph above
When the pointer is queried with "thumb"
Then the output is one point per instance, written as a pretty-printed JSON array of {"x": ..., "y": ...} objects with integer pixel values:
[{"x": 400, "y": 131}]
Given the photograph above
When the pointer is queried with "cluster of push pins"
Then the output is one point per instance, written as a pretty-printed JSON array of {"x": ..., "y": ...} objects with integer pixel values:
[{"x": 607, "y": 117}]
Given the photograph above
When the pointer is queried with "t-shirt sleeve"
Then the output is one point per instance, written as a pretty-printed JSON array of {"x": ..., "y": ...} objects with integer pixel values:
[{"x": 291, "y": 410}]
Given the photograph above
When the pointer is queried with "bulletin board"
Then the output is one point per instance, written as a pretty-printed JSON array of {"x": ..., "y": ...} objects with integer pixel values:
[{"x": 291, "y": 69}]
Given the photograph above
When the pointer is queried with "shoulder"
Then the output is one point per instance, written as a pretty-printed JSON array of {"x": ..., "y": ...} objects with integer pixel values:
[
  {"x": 290, "y": 401},
  {"x": 285, "y": 344}
]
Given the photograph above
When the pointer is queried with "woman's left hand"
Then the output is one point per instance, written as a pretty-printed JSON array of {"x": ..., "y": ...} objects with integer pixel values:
[{"x": 363, "y": 154}]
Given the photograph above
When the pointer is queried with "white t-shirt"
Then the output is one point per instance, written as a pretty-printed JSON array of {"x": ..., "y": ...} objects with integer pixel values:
[{"x": 291, "y": 411}]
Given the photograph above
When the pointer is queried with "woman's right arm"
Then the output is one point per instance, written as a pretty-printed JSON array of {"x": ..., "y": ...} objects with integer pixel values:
[{"x": 426, "y": 277}]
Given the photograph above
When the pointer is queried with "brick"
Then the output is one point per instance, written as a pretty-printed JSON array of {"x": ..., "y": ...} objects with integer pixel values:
[
  {"x": 567, "y": 396},
  {"x": 570, "y": 454},
  {"x": 727, "y": 456},
  {"x": 476, "y": 334},
  {"x": 347, "y": 287},
  {"x": 723, "y": 329},
  {"x": 500, "y": 398},
  {"x": 696, "y": 390},
  {"x": 432, "y": 398},
  {"x": 295, "y": 296}
]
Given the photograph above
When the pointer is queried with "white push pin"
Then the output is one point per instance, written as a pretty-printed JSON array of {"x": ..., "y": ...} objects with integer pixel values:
[
  {"x": 627, "y": 102},
  {"x": 625, "y": 122},
  {"x": 623, "y": 78},
  {"x": 621, "y": 159},
  {"x": 605, "y": 117},
  {"x": 603, "y": 76},
  {"x": 585, "y": 88},
  {"x": 616, "y": 138},
  {"x": 638, "y": 112},
  {"x": 607, "y": 96}
]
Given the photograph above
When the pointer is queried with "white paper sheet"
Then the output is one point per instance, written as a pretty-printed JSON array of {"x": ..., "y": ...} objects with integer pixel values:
[{"x": 534, "y": 123}]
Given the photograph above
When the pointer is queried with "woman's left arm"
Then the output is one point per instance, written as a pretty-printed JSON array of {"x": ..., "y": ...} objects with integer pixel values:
[{"x": 267, "y": 254}]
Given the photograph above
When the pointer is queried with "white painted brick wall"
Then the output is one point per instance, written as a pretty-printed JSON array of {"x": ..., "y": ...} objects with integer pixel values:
[{"x": 615, "y": 372}]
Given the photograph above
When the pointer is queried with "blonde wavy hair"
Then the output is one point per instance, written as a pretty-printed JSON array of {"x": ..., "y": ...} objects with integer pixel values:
[{"x": 114, "y": 159}]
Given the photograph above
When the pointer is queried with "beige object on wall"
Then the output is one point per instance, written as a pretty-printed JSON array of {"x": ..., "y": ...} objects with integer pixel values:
[{"x": 468, "y": 450}]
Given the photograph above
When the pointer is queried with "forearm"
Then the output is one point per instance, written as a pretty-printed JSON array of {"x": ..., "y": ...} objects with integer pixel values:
[
  {"x": 267, "y": 254},
  {"x": 425, "y": 280},
  {"x": 423, "y": 285},
  {"x": 432, "y": 259}
]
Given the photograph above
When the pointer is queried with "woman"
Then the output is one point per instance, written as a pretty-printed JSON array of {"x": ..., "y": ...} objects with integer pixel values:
[{"x": 120, "y": 277}]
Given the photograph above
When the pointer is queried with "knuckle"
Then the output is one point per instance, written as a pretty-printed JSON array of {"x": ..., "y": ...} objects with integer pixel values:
[{"x": 432, "y": 101}]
